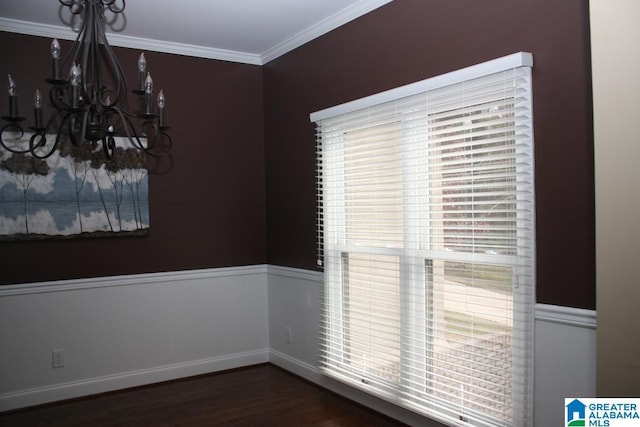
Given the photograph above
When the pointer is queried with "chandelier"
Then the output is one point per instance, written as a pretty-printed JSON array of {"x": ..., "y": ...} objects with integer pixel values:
[{"x": 90, "y": 103}]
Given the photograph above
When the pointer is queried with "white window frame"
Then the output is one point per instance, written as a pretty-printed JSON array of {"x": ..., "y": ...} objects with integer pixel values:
[{"x": 335, "y": 243}]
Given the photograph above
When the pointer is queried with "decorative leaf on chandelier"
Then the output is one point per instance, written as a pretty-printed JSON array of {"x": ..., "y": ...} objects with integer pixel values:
[{"x": 90, "y": 104}]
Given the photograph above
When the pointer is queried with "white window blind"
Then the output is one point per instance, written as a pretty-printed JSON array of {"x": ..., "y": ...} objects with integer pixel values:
[{"x": 426, "y": 231}]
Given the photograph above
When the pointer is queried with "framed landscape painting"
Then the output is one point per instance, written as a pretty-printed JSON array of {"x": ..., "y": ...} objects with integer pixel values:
[{"x": 77, "y": 192}]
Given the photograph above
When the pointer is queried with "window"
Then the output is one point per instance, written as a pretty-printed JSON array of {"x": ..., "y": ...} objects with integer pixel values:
[{"x": 426, "y": 231}]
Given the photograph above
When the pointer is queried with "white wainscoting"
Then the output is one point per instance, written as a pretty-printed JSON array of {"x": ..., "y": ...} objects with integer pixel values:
[
  {"x": 565, "y": 344},
  {"x": 125, "y": 331},
  {"x": 565, "y": 360}
]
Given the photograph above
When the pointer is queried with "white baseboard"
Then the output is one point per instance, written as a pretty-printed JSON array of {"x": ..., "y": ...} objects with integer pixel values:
[
  {"x": 125, "y": 380},
  {"x": 313, "y": 374},
  {"x": 295, "y": 366}
]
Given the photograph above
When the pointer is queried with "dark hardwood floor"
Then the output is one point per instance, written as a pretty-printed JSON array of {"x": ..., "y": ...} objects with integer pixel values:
[{"x": 261, "y": 395}]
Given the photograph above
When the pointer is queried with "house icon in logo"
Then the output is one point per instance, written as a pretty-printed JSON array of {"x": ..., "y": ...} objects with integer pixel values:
[{"x": 576, "y": 410}]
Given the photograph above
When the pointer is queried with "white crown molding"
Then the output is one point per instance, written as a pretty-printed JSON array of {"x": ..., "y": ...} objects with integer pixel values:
[
  {"x": 334, "y": 21},
  {"x": 184, "y": 49},
  {"x": 331, "y": 23},
  {"x": 64, "y": 33},
  {"x": 35, "y": 29}
]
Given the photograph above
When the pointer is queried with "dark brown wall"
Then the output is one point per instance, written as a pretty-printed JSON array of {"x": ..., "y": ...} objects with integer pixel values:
[
  {"x": 207, "y": 209},
  {"x": 410, "y": 40}
]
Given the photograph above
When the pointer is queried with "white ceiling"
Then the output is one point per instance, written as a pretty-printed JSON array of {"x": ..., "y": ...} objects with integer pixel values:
[{"x": 248, "y": 31}]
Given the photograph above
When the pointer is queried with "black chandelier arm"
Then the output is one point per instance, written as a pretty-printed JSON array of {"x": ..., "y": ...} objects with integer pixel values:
[
  {"x": 56, "y": 97},
  {"x": 129, "y": 129},
  {"x": 158, "y": 132},
  {"x": 108, "y": 146},
  {"x": 118, "y": 73},
  {"x": 77, "y": 126},
  {"x": 150, "y": 128},
  {"x": 163, "y": 132},
  {"x": 39, "y": 139},
  {"x": 12, "y": 128},
  {"x": 155, "y": 134}
]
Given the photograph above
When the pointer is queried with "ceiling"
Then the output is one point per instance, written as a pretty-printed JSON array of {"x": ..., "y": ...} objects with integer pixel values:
[{"x": 247, "y": 31}]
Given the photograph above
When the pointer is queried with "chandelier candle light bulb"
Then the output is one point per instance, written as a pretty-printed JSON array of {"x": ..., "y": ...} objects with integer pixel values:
[
  {"x": 161, "y": 102},
  {"x": 55, "y": 55},
  {"x": 13, "y": 99},
  {"x": 37, "y": 109},
  {"x": 74, "y": 81},
  {"x": 142, "y": 68},
  {"x": 148, "y": 92}
]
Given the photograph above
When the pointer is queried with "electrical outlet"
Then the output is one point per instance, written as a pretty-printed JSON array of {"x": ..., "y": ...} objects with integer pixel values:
[
  {"x": 288, "y": 335},
  {"x": 57, "y": 359}
]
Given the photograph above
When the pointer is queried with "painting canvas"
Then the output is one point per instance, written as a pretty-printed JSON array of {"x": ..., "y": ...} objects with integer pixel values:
[{"x": 77, "y": 192}]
